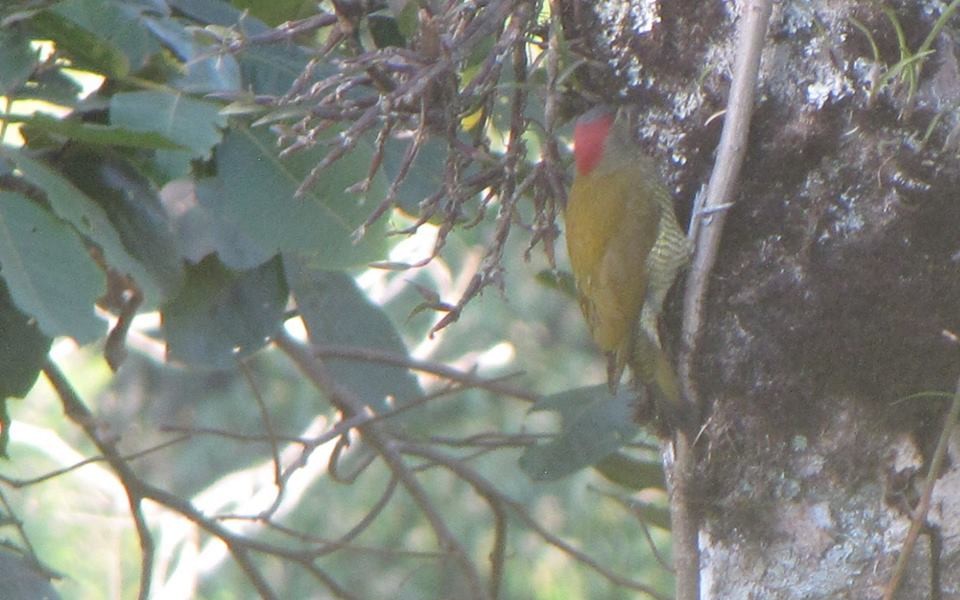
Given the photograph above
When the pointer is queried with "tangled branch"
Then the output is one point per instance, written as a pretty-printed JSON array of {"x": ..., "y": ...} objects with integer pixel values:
[{"x": 419, "y": 92}]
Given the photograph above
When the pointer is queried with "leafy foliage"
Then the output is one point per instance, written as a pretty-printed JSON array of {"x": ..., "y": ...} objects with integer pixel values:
[{"x": 235, "y": 180}]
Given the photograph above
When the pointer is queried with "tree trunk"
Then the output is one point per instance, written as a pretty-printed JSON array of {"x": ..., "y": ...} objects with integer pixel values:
[{"x": 837, "y": 286}]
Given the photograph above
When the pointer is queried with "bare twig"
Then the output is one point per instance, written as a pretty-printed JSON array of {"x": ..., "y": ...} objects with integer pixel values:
[
  {"x": 77, "y": 411},
  {"x": 491, "y": 440},
  {"x": 708, "y": 220},
  {"x": 489, "y": 493},
  {"x": 630, "y": 505},
  {"x": 680, "y": 460},
  {"x": 264, "y": 418},
  {"x": 9, "y": 517},
  {"x": 919, "y": 517},
  {"x": 495, "y": 497},
  {"x": 22, "y": 483},
  {"x": 322, "y": 543},
  {"x": 496, "y": 386},
  {"x": 284, "y": 32},
  {"x": 138, "y": 490},
  {"x": 379, "y": 441}
]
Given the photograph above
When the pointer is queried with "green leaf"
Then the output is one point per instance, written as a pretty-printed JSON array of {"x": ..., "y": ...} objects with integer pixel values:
[
  {"x": 193, "y": 124},
  {"x": 273, "y": 69},
  {"x": 17, "y": 61},
  {"x": 264, "y": 69},
  {"x": 117, "y": 24},
  {"x": 385, "y": 31},
  {"x": 632, "y": 473},
  {"x": 221, "y": 316},
  {"x": 73, "y": 206},
  {"x": 657, "y": 515},
  {"x": 190, "y": 123},
  {"x": 23, "y": 349},
  {"x": 216, "y": 12},
  {"x": 21, "y": 580},
  {"x": 425, "y": 175},
  {"x": 337, "y": 313},
  {"x": 205, "y": 69},
  {"x": 87, "y": 51},
  {"x": 562, "y": 281},
  {"x": 94, "y": 133},
  {"x": 176, "y": 35},
  {"x": 52, "y": 86},
  {"x": 195, "y": 207},
  {"x": 406, "y": 13},
  {"x": 595, "y": 425},
  {"x": 134, "y": 210},
  {"x": 48, "y": 270},
  {"x": 258, "y": 199},
  {"x": 275, "y": 12}
]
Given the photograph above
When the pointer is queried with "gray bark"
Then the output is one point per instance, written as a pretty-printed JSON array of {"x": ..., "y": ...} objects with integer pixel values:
[{"x": 838, "y": 274}]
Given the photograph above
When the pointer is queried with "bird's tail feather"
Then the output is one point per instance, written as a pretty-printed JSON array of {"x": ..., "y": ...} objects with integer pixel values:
[{"x": 651, "y": 366}]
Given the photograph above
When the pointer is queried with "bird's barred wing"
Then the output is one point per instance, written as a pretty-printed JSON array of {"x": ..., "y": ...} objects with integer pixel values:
[{"x": 671, "y": 252}]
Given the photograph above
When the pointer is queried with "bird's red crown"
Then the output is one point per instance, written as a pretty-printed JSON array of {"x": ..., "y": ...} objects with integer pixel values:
[{"x": 589, "y": 138}]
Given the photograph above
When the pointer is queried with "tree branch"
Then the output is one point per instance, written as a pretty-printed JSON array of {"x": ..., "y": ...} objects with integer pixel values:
[
  {"x": 706, "y": 225},
  {"x": 919, "y": 519},
  {"x": 496, "y": 386},
  {"x": 498, "y": 501},
  {"x": 706, "y": 229},
  {"x": 77, "y": 412},
  {"x": 138, "y": 490},
  {"x": 380, "y": 442}
]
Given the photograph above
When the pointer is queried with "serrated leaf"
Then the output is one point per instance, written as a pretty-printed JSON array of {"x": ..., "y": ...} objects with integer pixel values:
[
  {"x": 48, "y": 271},
  {"x": 73, "y": 206},
  {"x": 258, "y": 200},
  {"x": 221, "y": 315},
  {"x": 595, "y": 425},
  {"x": 337, "y": 313}
]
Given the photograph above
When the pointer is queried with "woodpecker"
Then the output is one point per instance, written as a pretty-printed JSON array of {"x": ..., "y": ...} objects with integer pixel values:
[{"x": 626, "y": 248}]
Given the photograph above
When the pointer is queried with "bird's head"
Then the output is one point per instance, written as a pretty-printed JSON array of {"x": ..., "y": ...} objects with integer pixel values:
[{"x": 600, "y": 135}]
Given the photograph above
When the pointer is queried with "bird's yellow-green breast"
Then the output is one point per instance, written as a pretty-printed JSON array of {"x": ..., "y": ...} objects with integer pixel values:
[
  {"x": 611, "y": 220},
  {"x": 625, "y": 248}
]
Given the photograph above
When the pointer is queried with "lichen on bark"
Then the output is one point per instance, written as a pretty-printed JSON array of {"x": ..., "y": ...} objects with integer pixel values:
[{"x": 838, "y": 275}]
